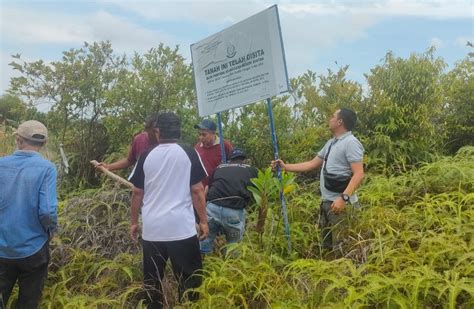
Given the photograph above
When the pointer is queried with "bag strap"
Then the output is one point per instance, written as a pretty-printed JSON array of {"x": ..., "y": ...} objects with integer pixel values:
[{"x": 327, "y": 155}]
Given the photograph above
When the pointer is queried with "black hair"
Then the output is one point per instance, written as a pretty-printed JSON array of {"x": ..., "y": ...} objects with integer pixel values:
[
  {"x": 150, "y": 121},
  {"x": 150, "y": 125},
  {"x": 349, "y": 118},
  {"x": 169, "y": 125}
]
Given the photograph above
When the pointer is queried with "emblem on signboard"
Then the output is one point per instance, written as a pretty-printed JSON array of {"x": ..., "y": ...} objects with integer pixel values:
[{"x": 231, "y": 51}]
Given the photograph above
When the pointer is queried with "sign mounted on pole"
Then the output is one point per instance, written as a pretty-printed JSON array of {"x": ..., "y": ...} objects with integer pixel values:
[{"x": 241, "y": 64}]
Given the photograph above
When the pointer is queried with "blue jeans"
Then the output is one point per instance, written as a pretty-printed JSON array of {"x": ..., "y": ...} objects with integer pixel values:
[{"x": 228, "y": 221}]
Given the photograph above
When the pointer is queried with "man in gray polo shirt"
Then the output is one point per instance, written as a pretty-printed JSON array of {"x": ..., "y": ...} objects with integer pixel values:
[{"x": 342, "y": 172}]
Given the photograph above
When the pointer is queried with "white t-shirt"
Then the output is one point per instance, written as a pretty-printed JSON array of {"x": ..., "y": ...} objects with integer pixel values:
[{"x": 166, "y": 174}]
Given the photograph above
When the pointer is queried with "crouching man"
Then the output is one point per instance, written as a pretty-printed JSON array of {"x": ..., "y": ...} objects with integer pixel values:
[{"x": 227, "y": 199}]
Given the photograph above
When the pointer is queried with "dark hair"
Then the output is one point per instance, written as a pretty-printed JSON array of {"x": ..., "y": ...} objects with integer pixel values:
[
  {"x": 349, "y": 118},
  {"x": 169, "y": 125},
  {"x": 150, "y": 126},
  {"x": 150, "y": 121}
]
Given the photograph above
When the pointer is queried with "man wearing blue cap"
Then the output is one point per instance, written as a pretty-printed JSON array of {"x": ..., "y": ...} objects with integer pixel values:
[
  {"x": 209, "y": 148},
  {"x": 227, "y": 199}
]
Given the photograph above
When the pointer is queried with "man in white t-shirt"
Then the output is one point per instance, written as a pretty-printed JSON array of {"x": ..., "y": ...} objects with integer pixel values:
[{"x": 167, "y": 181}]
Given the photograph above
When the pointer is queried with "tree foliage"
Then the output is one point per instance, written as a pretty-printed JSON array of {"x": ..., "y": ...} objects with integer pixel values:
[
  {"x": 459, "y": 105},
  {"x": 13, "y": 110},
  {"x": 411, "y": 110},
  {"x": 78, "y": 88},
  {"x": 159, "y": 80},
  {"x": 100, "y": 100},
  {"x": 401, "y": 117}
]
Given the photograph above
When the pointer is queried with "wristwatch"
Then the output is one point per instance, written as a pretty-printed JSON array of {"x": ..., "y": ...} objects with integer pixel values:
[{"x": 345, "y": 197}]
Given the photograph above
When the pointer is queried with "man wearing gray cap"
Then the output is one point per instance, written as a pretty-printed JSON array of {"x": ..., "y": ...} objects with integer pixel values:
[{"x": 28, "y": 216}]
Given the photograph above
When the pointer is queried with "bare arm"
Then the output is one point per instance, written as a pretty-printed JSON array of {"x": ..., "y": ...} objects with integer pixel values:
[
  {"x": 117, "y": 165},
  {"x": 357, "y": 177},
  {"x": 137, "y": 199},
  {"x": 306, "y": 166},
  {"x": 199, "y": 203}
]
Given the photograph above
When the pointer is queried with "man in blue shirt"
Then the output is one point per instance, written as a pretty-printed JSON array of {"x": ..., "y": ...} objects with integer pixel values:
[{"x": 28, "y": 216}]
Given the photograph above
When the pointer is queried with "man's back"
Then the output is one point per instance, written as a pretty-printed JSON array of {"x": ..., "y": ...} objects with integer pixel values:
[
  {"x": 228, "y": 185},
  {"x": 166, "y": 173},
  {"x": 28, "y": 200}
]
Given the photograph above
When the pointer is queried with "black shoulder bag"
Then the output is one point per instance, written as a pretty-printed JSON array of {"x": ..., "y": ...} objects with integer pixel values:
[{"x": 334, "y": 182}]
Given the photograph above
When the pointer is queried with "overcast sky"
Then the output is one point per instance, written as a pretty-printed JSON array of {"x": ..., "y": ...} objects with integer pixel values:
[{"x": 316, "y": 34}]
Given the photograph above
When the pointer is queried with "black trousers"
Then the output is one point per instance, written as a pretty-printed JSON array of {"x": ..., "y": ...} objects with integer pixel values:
[
  {"x": 186, "y": 263},
  {"x": 30, "y": 272}
]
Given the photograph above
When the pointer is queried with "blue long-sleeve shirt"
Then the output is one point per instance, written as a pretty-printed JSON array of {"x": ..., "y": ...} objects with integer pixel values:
[{"x": 28, "y": 203}]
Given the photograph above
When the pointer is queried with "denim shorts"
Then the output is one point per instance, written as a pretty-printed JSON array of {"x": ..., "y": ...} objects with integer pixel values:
[{"x": 224, "y": 220}]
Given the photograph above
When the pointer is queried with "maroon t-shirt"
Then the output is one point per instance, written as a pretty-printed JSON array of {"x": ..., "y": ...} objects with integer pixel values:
[
  {"x": 140, "y": 143},
  {"x": 211, "y": 157}
]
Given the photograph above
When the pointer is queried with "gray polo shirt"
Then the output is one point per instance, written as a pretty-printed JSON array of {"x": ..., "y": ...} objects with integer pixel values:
[{"x": 346, "y": 150}]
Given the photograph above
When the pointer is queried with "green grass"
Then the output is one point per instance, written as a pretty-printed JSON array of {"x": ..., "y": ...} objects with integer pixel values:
[{"x": 411, "y": 246}]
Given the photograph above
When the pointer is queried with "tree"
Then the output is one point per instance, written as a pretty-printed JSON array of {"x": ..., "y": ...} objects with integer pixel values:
[
  {"x": 78, "y": 88},
  {"x": 12, "y": 108},
  {"x": 401, "y": 116},
  {"x": 459, "y": 105},
  {"x": 157, "y": 81}
]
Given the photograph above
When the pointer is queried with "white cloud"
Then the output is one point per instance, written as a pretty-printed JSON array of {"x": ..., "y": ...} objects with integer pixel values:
[
  {"x": 33, "y": 27},
  {"x": 25, "y": 29},
  {"x": 218, "y": 11},
  {"x": 437, "y": 43},
  {"x": 439, "y": 9},
  {"x": 206, "y": 12},
  {"x": 462, "y": 41},
  {"x": 7, "y": 72},
  {"x": 24, "y": 26},
  {"x": 309, "y": 27},
  {"x": 125, "y": 36}
]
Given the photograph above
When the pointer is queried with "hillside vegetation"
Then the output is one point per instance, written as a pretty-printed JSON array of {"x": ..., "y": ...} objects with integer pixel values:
[{"x": 410, "y": 246}]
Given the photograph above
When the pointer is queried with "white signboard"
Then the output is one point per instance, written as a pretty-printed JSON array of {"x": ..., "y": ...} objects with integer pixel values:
[{"x": 242, "y": 64}]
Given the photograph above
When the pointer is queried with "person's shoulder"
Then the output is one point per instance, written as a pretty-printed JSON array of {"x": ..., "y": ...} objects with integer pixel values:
[
  {"x": 142, "y": 136},
  {"x": 40, "y": 161},
  {"x": 5, "y": 160},
  {"x": 6, "y": 157},
  {"x": 236, "y": 165},
  {"x": 353, "y": 142},
  {"x": 189, "y": 150}
]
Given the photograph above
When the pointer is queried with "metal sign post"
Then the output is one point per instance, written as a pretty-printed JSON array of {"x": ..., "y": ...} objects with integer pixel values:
[
  {"x": 278, "y": 170},
  {"x": 221, "y": 138}
]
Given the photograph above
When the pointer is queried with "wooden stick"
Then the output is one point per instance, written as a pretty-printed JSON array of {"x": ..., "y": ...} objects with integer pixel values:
[{"x": 112, "y": 175}]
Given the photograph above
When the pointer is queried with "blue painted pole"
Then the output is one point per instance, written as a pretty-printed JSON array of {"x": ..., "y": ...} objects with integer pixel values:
[
  {"x": 221, "y": 137},
  {"x": 278, "y": 170}
]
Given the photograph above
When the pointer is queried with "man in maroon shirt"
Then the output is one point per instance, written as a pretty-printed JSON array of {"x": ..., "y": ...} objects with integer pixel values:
[
  {"x": 141, "y": 142},
  {"x": 209, "y": 148}
]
